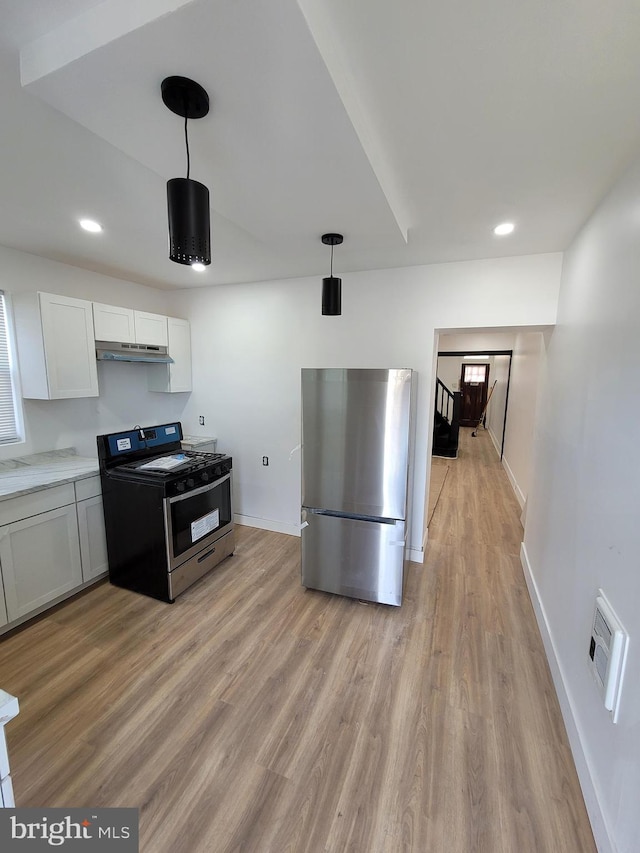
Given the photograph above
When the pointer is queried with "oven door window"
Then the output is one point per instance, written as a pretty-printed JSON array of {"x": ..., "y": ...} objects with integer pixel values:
[{"x": 196, "y": 516}]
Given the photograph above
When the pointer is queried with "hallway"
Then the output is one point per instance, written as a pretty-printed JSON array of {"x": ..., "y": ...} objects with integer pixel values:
[{"x": 510, "y": 763}]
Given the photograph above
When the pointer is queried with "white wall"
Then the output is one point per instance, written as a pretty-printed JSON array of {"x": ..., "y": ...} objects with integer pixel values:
[
  {"x": 250, "y": 341},
  {"x": 527, "y": 366},
  {"x": 499, "y": 382},
  {"x": 124, "y": 399},
  {"x": 449, "y": 371},
  {"x": 582, "y": 528},
  {"x": 479, "y": 341}
]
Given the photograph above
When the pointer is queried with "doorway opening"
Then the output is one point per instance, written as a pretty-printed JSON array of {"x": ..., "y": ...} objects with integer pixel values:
[
  {"x": 471, "y": 373},
  {"x": 474, "y": 389}
]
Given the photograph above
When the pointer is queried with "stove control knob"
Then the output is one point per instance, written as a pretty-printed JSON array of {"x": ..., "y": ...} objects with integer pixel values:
[
  {"x": 218, "y": 470},
  {"x": 191, "y": 482},
  {"x": 180, "y": 486},
  {"x": 205, "y": 477}
]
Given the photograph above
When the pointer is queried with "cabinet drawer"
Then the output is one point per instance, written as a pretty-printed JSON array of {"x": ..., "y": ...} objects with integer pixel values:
[
  {"x": 88, "y": 488},
  {"x": 43, "y": 500}
]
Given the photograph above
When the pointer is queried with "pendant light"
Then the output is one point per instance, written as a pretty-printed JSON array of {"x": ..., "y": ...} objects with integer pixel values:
[
  {"x": 332, "y": 286},
  {"x": 187, "y": 200}
]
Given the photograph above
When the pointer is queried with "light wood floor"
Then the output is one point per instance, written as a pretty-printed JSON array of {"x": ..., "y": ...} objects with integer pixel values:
[{"x": 255, "y": 716}]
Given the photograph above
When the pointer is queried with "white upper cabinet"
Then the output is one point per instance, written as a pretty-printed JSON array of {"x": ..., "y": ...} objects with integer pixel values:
[
  {"x": 174, "y": 377},
  {"x": 112, "y": 323},
  {"x": 56, "y": 346},
  {"x": 150, "y": 329}
]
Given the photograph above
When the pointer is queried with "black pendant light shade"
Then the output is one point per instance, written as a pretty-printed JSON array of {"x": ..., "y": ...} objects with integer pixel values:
[
  {"x": 332, "y": 286},
  {"x": 189, "y": 230},
  {"x": 332, "y": 296},
  {"x": 187, "y": 200}
]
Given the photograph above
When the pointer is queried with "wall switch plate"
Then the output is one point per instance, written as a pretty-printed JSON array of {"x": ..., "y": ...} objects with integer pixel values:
[
  {"x": 201, "y": 420},
  {"x": 608, "y": 653},
  {"x": 265, "y": 460}
]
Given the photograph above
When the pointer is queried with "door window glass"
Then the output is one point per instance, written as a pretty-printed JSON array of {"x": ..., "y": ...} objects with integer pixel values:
[{"x": 474, "y": 372}]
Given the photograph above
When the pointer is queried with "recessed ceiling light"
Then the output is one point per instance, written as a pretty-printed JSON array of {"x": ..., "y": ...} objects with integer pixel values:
[
  {"x": 90, "y": 225},
  {"x": 198, "y": 267},
  {"x": 504, "y": 228},
  {"x": 476, "y": 356}
]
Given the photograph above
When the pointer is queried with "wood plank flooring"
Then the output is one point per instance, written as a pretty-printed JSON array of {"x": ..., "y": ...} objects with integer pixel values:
[{"x": 253, "y": 715}]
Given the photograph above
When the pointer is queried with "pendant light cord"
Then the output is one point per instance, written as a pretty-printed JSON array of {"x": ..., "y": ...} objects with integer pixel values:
[
  {"x": 332, "y": 260},
  {"x": 186, "y": 142}
]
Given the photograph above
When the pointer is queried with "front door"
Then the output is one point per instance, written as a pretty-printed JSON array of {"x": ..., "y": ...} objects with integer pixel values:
[{"x": 473, "y": 385}]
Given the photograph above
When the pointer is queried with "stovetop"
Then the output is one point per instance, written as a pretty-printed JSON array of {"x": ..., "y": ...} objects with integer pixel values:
[
  {"x": 154, "y": 455},
  {"x": 172, "y": 464}
]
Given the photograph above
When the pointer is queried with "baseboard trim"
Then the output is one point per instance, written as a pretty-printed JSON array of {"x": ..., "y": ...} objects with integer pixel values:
[
  {"x": 494, "y": 439},
  {"x": 603, "y": 837},
  {"x": 514, "y": 483},
  {"x": 416, "y": 555},
  {"x": 267, "y": 524}
]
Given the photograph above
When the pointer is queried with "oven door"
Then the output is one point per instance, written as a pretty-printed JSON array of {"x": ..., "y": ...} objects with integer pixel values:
[{"x": 196, "y": 519}]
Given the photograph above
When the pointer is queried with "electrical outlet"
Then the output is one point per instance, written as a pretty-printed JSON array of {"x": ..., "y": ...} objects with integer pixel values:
[
  {"x": 201, "y": 420},
  {"x": 265, "y": 460}
]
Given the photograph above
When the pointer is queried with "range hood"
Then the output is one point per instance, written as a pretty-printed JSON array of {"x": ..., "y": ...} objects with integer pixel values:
[{"x": 113, "y": 351}]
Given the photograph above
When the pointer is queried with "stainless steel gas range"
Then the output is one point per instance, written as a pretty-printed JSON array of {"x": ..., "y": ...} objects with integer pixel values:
[{"x": 168, "y": 512}]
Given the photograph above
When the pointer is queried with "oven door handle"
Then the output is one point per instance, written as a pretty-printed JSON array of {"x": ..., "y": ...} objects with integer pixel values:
[{"x": 199, "y": 491}]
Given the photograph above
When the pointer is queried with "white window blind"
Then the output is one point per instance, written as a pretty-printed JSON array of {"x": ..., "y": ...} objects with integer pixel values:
[{"x": 8, "y": 420}]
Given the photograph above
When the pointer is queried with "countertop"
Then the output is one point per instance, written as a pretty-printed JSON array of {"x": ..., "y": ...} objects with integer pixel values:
[
  {"x": 9, "y": 707},
  {"x": 27, "y": 474}
]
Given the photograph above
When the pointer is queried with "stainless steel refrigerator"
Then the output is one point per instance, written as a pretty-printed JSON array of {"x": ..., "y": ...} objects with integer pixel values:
[{"x": 355, "y": 462}]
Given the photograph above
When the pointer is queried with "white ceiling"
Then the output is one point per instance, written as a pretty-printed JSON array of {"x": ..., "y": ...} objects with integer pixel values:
[{"x": 412, "y": 128}]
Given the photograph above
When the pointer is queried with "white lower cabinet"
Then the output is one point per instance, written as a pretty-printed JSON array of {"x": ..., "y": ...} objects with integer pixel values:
[
  {"x": 40, "y": 559},
  {"x": 9, "y": 708},
  {"x": 52, "y": 541},
  {"x": 93, "y": 541},
  {"x": 3, "y": 609}
]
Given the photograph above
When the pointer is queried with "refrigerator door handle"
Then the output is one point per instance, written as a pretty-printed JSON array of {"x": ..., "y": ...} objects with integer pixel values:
[{"x": 353, "y": 516}]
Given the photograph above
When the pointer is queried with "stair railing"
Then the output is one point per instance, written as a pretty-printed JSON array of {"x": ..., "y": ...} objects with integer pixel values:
[
  {"x": 444, "y": 400},
  {"x": 448, "y": 406}
]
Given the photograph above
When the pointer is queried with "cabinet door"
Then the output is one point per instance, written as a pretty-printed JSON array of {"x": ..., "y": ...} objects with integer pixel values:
[
  {"x": 112, "y": 323},
  {"x": 177, "y": 376},
  {"x": 93, "y": 541},
  {"x": 180, "y": 352},
  {"x": 151, "y": 328},
  {"x": 69, "y": 345},
  {"x": 3, "y": 608},
  {"x": 40, "y": 558}
]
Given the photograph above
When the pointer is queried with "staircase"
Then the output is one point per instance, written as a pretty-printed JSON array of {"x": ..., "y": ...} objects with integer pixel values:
[{"x": 446, "y": 421}]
